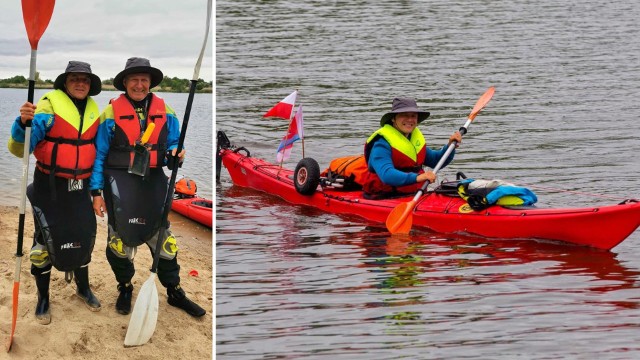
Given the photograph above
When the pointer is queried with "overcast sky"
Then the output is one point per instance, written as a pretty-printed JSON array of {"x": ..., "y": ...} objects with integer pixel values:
[{"x": 105, "y": 33}]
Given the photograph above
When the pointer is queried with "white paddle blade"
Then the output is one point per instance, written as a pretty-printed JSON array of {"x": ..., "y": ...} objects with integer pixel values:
[{"x": 145, "y": 314}]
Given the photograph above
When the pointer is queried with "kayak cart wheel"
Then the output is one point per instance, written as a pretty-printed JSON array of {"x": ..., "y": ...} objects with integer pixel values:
[{"x": 307, "y": 176}]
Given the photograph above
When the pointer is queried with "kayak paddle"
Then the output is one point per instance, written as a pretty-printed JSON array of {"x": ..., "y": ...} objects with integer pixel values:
[
  {"x": 36, "y": 15},
  {"x": 145, "y": 311},
  {"x": 400, "y": 219}
]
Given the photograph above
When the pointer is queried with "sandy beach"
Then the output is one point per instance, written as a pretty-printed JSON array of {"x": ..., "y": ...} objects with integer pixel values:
[{"x": 77, "y": 333}]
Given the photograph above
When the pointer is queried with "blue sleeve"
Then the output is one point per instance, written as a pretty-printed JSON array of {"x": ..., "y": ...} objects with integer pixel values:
[
  {"x": 40, "y": 124},
  {"x": 433, "y": 156},
  {"x": 102, "y": 142},
  {"x": 380, "y": 162},
  {"x": 173, "y": 131}
]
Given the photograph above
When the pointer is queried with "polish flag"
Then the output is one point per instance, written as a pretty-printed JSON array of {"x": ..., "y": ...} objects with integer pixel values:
[
  {"x": 293, "y": 134},
  {"x": 284, "y": 108}
]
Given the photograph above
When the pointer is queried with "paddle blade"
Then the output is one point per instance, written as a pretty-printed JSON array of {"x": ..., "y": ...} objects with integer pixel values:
[
  {"x": 482, "y": 102},
  {"x": 14, "y": 313},
  {"x": 400, "y": 218},
  {"x": 36, "y": 14},
  {"x": 145, "y": 314}
]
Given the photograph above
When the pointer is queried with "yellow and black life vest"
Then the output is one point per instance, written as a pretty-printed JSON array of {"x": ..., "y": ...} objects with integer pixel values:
[
  {"x": 407, "y": 154},
  {"x": 67, "y": 149}
]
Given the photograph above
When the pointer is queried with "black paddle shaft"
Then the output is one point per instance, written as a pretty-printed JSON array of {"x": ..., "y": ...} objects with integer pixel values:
[
  {"x": 174, "y": 174},
  {"x": 462, "y": 130}
]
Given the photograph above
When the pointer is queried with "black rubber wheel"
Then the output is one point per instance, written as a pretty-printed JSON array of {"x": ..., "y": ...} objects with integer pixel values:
[{"x": 307, "y": 176}]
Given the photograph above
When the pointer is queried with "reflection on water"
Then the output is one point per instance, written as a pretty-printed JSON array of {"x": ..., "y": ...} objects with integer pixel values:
[{"x": 295, "y": 273}]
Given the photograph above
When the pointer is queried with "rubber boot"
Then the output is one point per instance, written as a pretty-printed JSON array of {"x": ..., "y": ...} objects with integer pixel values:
[
  {"x": 43, "y": 315},
  {"x": 83, "y": 291},
  {"x": 177, "y": 298},
  {"x": 123, "y": 304}
]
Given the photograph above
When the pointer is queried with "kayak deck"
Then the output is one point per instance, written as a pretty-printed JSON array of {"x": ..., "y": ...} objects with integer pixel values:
[{"x": 601, "y": 227}]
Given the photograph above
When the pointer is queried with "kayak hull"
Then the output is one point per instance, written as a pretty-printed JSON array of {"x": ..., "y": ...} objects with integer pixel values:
[
  {"x": 196, "y": 208},
  {"x": 601, "y": 227}
]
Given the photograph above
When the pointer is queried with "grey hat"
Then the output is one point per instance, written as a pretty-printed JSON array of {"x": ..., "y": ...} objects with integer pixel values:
[
  {"x": 136, "y": 65},
  {"x": 401, "y": 105},
  {"x": 79, "y": 67}
]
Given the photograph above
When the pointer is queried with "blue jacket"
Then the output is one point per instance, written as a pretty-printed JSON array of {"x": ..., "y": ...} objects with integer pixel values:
[{"x": 380, "y": 162}]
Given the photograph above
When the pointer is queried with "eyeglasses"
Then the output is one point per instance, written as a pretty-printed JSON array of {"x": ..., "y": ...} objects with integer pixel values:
[{"x": 79, "y": 79}]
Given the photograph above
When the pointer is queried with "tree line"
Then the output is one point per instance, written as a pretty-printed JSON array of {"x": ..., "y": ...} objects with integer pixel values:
[{"x": 168, "y": 84}]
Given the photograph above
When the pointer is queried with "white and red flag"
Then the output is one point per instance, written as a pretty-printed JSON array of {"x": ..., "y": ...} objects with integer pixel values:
[
  {"x": 294, "y": 133},
  {"x": 284, "y": 108}
]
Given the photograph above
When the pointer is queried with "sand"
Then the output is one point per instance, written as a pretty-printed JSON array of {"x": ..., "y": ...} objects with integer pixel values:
[{"x": 77, "y": 333}]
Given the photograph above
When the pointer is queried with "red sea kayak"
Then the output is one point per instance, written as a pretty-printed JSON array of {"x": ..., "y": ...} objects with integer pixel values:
[
  {"x": 601, "y": 227},
  {"x": 195, "y": 208}
]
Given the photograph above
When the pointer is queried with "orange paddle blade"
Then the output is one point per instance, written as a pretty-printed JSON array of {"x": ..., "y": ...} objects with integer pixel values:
[
  {"x": 482, "y": 102},
  {"x": 400, "y": 218},
  {"x": 14, "y": 310},
  {"x": 36, "y": 14}
]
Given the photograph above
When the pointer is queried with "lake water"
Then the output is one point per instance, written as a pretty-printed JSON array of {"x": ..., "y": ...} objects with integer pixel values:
[
  {"x": 197, "y": 141},
  {"x": 294, "y": 283}
]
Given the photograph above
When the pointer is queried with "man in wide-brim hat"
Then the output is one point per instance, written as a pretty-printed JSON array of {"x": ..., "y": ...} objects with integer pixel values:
[
  {"x": 76, "y": 68},
  {"x": 404, "y": 105},
  {"x": 136, "y": 65},
  {"x": 64, "y": 125},
  {"x": 397, "y": 151},
  {"x": 134, "y": 198}
]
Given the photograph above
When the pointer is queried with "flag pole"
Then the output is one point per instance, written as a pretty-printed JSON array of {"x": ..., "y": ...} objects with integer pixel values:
[
  {"x": 302, "y": 137},
  {"x": 282, "y": 161}
]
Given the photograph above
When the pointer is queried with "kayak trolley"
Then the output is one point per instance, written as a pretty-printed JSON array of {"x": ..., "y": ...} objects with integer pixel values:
[{"x": 306, "y": 177}]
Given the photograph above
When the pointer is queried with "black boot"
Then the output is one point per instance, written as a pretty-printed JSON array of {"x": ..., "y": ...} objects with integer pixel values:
[
  {"x": 43, "y": 315},
  {"x": 123, "y": 304},
  {"x": 84, "y": 291},
  {"x": 177, "y": 298}
]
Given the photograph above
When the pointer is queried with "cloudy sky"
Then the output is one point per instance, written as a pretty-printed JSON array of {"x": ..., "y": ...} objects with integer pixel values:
[{"x": 105, "y": 33}]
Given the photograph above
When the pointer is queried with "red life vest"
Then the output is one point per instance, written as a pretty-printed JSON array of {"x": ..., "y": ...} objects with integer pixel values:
[
  {"x": 67, "y": 149},
  {"x": 127, "y": 131},
  {"x": 407, "y": 155}
]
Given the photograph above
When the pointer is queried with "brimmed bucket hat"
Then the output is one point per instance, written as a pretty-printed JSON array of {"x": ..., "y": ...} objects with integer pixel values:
[
  {"x": 81, "y": 68},
  {"x": 401, "y": 105},
  {"x": 136, "y": 65}
]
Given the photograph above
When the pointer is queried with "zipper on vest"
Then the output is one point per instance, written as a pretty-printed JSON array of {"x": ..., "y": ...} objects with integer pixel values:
[{"x": 78, "y": 146}]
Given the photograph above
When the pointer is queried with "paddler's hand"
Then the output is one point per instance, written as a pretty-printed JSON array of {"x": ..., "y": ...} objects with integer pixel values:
[
  {"x": 427, "y": 176},
  {"x": 171, "y": 158},
  {"x": 181, "y": 156},
  {"x": 99, "y": 205},
  {"x": 27, "y": 110},
  {"x": 457, "y": 137}
]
